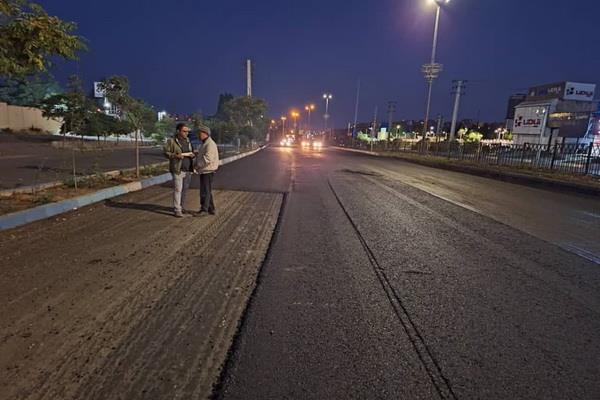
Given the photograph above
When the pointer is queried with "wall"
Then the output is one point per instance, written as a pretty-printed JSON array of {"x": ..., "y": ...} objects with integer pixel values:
[{"x": 24, "y": 118}]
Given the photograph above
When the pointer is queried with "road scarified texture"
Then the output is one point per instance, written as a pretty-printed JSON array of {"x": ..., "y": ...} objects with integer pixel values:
[{"x": 123, "y": 301}]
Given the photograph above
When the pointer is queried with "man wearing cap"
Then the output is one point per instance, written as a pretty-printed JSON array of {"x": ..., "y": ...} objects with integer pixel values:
[
  {"x": 179, "y": 151},
  {"x": 207, "y": 164}
]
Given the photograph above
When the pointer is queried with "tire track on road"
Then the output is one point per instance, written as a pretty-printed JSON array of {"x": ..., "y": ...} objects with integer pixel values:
[{"x": 428, "y": 360}]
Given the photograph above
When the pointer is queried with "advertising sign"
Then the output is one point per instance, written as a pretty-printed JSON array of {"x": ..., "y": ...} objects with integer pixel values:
[
  {"x": 580, "y": 91},
  {"x": 98, "y": 93},
  {"x": 544, "y": 92},
  {"x": 530, "y": 120}
]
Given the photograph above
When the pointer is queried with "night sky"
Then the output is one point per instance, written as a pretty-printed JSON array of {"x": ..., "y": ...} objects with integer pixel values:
[{"x": 179, "y": 55}]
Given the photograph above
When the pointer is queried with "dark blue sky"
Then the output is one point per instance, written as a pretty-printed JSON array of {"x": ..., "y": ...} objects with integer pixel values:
[{"x": 180, "y": 55}]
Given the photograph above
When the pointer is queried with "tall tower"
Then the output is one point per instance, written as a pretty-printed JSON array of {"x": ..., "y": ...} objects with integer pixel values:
[{"x": 249, "y": 77}]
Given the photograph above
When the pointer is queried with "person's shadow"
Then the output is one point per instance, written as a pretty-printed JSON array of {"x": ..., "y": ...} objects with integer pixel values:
[{"x": 155, "y": 208}]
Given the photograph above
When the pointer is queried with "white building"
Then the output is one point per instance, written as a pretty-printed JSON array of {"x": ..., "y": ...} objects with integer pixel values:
[{"x": 560, "y": 112}]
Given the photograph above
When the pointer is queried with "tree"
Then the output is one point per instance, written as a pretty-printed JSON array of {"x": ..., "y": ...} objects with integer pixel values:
[
  {"x": 163, "y": 128},
  {"x": 246, "y": 115},
  {"x": 72, "y": 106},
  {"x": 223, "y": 99},
  {"x": 139, "y": 114},
  {"x": 29, "y": 37},
  {"x": 80, "y": 114},
  {"x": 28, "y": 92}
]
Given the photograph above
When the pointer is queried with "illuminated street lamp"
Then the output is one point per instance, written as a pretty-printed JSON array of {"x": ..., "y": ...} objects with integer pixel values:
[
  {"x": 295, "y": 115},
  {"x": 310, "y": 108},
  {"x": 327, "y": 97},
  {"x": 283, "y": 119},
  {"x": 432, "y": 70}
]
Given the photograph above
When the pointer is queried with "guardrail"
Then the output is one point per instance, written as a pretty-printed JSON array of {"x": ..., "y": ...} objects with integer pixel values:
[{"x": 563, "y": 158}]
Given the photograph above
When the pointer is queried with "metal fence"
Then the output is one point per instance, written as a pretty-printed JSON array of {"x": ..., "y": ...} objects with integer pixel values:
[{"x": 564, "y": 158}]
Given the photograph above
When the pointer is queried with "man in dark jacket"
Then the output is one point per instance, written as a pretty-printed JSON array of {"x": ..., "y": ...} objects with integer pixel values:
[{"x": 180, "y": 153}]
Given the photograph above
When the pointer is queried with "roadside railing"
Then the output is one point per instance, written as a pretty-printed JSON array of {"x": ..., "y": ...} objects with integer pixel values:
[{"x": 564, "y": 158}]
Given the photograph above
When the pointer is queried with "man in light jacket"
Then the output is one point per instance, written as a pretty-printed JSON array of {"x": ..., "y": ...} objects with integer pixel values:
[
  {"x": 207, "y": 163},
  {"x": 179, "y": 151}
]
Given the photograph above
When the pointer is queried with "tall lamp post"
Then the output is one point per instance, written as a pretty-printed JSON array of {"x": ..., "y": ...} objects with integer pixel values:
[
  {"x": 310, "y": 108},
  {"x": 295, "y": 115},
  {"x": 283, "y": 119},
  {"x": 327, "y": 97},
  {"x": 432, "y": 70}
]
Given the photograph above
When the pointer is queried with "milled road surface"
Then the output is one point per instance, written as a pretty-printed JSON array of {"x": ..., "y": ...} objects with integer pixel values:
[
  {"x": 395, "y": 281},
  {"x": 123, "y": 301}
]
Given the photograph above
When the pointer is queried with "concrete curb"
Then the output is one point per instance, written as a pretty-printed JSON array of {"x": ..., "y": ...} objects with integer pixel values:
[
  {"x": 24, "y": 217},
  {"x": 110, "y": 174},
  {"x": 506, "y": 176}
]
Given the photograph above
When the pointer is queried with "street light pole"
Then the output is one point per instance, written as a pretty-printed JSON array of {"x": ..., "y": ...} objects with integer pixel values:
[
  {"x": 283, "y": 119},
  {"x": 310, "y": 108},
  {"x": 295, "y": 115},
  {"x": 327, "y": 97},
  {"x": 433, "y": 69}
]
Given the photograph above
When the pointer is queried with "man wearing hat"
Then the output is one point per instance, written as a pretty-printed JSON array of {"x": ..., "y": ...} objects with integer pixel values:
[{"x": 207, "y": 164}]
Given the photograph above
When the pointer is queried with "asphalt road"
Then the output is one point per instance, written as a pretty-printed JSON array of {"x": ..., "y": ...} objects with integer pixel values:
[
  {"x": 390, "y": 280},
  {"x": 27, "y": 161},
  {"x": 383, "y": 280}
]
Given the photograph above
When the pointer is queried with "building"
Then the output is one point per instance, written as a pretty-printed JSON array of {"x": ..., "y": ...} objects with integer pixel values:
[
  {"x": 555, "y": 113},
  {"x": 513, "y": 101}
]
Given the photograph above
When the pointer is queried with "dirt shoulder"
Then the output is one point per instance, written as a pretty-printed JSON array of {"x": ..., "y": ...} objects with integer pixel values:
[{"x": 128, "y": 302}]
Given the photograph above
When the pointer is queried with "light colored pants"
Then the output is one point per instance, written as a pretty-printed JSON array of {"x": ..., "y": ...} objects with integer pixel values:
[{"x": 181, "y": 183}]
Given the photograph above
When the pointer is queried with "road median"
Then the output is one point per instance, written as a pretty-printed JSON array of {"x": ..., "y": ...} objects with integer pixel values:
[{"x": 18, "y": 218}]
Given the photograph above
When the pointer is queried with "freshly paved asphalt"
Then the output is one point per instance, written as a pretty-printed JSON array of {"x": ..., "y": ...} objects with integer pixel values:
[{"x": 396, "y": 281}]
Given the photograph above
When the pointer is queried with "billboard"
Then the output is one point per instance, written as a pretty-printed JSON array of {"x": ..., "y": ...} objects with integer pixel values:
[
  {"x": 564, "y": 91},
  {"x": 579, "y": 91},
  {"x": 545, "y": 92},
  {"x": 98, "y": 93},
  {"x": 530, "y": 120}
]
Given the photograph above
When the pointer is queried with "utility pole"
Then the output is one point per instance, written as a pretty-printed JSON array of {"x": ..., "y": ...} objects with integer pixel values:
[
  {"x": 249, "y": 77},
  {"x": 373, "y": 132},
  {"x": 391, "y": 111},
  {"x": 356, "y": 109},
  {"x": 440, "y": 122},
  {"x": 458, "y": 90}
]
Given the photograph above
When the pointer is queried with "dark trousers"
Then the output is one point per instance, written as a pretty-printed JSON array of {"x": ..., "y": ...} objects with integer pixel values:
[{"x": 206, "y": 196}]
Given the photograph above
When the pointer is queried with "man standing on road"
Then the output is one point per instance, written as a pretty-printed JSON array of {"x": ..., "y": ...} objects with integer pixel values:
[
  {"x": 207, "y": 164},
  {"x": 179, "y": 151}
]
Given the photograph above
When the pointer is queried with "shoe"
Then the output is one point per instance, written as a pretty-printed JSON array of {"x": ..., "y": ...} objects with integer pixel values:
[
  {"x": 201, "y": 213},
  {"x": 212, "y": 212},
  {"x": 179, "y": 214}
]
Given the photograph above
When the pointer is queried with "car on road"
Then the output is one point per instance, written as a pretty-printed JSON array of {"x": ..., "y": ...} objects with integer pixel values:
[{"x": 312, "y": 143}]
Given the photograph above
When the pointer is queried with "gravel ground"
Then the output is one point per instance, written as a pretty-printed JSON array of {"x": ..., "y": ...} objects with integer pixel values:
[{"x": 123, "y": 301}]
